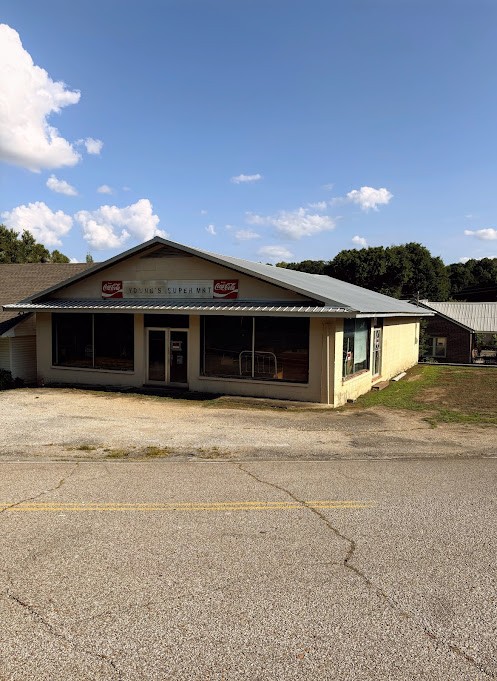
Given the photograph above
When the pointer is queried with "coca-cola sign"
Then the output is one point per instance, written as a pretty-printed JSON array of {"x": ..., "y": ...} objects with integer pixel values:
[
  {"x": 112, "y": 289},
  {"x": 225, "y": 288}
]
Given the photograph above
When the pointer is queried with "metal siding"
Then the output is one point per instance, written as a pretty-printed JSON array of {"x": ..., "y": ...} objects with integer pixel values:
[
  {"x": 479, "y": 317},
  {"x": 24, "y": 358}
]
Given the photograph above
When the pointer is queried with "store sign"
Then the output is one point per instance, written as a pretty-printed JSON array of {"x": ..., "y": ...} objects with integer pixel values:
[
  {"x": 226, "y": 288},
  {"x": 186, "y": 289},
  {"x": 112, "y": 289}
]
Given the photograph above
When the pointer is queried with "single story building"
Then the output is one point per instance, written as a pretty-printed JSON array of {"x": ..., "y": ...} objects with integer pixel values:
[
  {"x": 18, "y": 328},
  {"x": 165, "y": 314},
  {"x": 462, "y": 333}
]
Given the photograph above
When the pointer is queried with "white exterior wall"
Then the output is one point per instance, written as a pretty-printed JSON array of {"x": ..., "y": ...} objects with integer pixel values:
[
  {"x": 5, "y": 353},
  {"x": 24, "y": 358}
]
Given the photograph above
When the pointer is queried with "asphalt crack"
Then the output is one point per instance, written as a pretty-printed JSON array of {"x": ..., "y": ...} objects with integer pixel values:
[
  {"x": 45, "y": 491},
  {"x": 392, "y": 603},
  {"x": 53, "y": 632}
]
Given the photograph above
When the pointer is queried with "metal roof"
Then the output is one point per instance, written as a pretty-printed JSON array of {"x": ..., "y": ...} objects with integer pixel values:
[
  {"x": 147, "y": 305},
  {"x": 478, "y": 317},
  {"x": 331, "y": 292}
]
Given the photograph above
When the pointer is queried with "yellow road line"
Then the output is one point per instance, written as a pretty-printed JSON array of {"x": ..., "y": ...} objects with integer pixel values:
[{"x": 78, "y": 507}]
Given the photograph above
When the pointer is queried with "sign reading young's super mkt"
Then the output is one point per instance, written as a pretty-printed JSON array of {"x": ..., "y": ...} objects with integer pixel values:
[{"x": 182, "y": 289}]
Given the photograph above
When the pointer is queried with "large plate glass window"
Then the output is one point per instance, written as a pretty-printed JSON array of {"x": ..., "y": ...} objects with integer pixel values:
[
  {"x": 355, "y": 346},
  {"x": 256, "y": 348},
  {"x": 93, "y": 341}
]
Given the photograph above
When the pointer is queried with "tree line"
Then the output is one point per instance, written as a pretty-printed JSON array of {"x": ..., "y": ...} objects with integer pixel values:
[
  {"x": 408, "y": 271},
  {"x": 23, "y": 248}
]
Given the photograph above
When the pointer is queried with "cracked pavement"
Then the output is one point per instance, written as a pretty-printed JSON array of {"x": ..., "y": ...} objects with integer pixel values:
[{"x": 188, "y": 580}]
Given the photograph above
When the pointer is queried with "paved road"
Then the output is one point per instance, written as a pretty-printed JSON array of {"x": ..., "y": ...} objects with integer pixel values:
[{"x": 268, "y": 570}]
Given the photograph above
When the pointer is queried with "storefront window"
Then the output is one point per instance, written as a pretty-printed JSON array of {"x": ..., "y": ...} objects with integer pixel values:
[
  {"x": 256, "y": 348},
  {"x": 355, "y": 346},
  {"x": 100, "y": 341}
]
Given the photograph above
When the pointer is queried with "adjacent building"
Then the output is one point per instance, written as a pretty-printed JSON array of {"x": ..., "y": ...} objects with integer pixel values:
[
  {"x": 462, "y": 333},
  {"x": 165, "y": 314},
  {"x": 18, "y": 328}
]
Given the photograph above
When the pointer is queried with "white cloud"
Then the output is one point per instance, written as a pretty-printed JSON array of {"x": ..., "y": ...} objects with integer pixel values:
[
  {"x": 210, "y": 229},
  {"x": 319, "y": 205},
  {"x": 93, "y": 146},
  {"x": 246, "y": 235},
  {"x": 111, "y": 227},
  {"x": 488, "y": 234},
  {"x": 104, "y": 189},
  {"x": 275, "y": 252},
  {"x": 465, "y": 260},
  {"x": 46, "y": 226},
  {"x": 203, "y": 212},
  {"x": 245, "y": 179},
  {"x": 28, "y": 97},
  {"x": 359, "y": 241},
  {"x": 294, "y": 224},
  {"x": 328, "y": 187},
  {"x": 61, "y": 186},
  {"x": 368, "y": 198}
]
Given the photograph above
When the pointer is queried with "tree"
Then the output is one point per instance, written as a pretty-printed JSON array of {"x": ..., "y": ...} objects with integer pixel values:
[
  {"x": 25, "y": 248},
  {"x": 310, "y": 266}
]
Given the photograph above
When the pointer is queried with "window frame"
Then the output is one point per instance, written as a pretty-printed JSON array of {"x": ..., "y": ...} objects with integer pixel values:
[{"x": 434, "y": 340}]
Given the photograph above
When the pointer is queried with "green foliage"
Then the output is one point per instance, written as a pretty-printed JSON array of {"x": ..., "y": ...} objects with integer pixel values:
[
  {"x": 310, "y": 266},
  {"x": 15, "y": 248},
  {"x": 406, "y": 271},
  {"x": 6, "y": 380},
  {"x": 89, "y": 259}
]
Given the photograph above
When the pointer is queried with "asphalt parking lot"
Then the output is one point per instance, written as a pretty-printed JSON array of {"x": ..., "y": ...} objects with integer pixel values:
[{"x": 256, "y": 570}]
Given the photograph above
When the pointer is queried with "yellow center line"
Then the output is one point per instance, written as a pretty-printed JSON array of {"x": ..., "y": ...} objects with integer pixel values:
[{"x": 79, "y": 507}]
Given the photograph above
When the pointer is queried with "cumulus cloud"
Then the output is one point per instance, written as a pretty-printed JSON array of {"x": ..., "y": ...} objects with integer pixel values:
[
  {"x": 275, "y": 253},
  {"x": 28, "y": 97},
  {"x": 246, "y": 235},
  {"x": 93, "y": 146},
  {"x": 294, "y": 224},
  {"x": 246, "y": 179},
  {"x": 104, "y": 189},
  {"x": 61, "y": 186},
  {"x": 319, "y": 205},
  {"x": 210, "y": 229},
  {"x": 369, "y": 198},
  {"x": 46, "y": 226},
  {"x": 359, "y": 241},
  {"x": 111, "y": 227},
  {"x": 488, "y": 234}
]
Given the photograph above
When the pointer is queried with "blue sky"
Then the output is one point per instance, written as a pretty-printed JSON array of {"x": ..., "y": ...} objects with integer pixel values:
[{"x": 265, "y": 129}]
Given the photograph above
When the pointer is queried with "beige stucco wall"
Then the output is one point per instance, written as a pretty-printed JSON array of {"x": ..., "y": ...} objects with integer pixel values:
[
  {"x": 399, "y": 352},
  {"x": 174, "y": 268},
  {"x": 309, "y": 392},
  {"x": 326, "y": 385}
]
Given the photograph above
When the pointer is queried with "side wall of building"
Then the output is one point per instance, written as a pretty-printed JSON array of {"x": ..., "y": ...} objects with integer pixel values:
[
  {"x": 400, "y": 347},
  {"x": 5, "y": 354},
  {"x": 458, "y": 339}
]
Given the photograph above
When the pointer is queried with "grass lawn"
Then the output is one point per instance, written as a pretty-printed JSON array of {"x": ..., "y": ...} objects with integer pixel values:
[{"x": 452, "y": 394}]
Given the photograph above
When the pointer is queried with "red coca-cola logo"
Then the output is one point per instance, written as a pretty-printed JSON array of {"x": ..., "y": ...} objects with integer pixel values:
[
  {"x": 112, "y": 289},
  {"x": 226, "y": 288}
]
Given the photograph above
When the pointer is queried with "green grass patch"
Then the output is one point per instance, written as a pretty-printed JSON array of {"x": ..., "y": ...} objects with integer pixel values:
[{"x": 451, "y": 394}]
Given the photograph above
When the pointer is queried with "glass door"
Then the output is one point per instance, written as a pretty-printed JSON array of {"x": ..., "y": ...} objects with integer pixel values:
[{"x": 167, "y": 356}]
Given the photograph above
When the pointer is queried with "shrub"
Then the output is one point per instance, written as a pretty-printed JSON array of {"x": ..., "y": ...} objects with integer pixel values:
[{"x": 6, "y": 380}]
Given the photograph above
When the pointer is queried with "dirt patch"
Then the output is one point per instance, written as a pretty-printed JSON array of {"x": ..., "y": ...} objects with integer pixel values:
[{"x": 80, "y": 425}]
